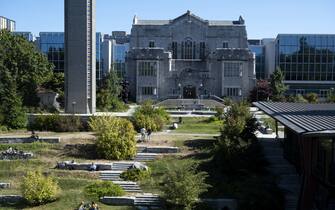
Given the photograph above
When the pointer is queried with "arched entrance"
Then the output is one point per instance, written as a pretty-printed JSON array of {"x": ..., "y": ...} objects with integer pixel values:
[{"x": 189, "y": 91}]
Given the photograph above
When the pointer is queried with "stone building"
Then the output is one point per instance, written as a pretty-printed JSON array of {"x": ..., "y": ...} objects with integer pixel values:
[{"x": 189, "y": 57}]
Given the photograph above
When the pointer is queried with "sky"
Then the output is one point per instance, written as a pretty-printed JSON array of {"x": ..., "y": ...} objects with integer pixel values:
[{"x": 263, "y": 18}]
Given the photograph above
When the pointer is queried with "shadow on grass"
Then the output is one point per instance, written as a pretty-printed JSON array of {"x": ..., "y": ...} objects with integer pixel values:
[{"x": 83, "y": 151}]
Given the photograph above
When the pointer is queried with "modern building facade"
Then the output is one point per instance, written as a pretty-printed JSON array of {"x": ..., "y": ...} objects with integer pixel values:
[
  {"x": 189, "y": 57},
  {"x": 80, "y": 56},
  {"x": 52, "y": 45},
  {"x": 25, "y": 34},
  {"x": 7, "y": 24},
  {"x": 256, "y": 46},
  {"x": 308, "y": 62},
  {"x": 114, "y": 59}
]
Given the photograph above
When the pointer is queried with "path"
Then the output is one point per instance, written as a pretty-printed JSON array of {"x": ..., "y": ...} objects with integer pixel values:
[{"x": 288, "y": 179}]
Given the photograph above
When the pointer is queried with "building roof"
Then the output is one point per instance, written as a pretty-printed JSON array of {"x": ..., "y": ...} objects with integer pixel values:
[
  {"x": 302, "y": 118},
  {"x": 189, "y": 14}
]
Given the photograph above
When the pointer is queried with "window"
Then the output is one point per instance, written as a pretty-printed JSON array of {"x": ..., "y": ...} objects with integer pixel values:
[
  {"x": 323, "y": 93},
  {"x": 232, "y": 91},
  {"x": 174, "y": 50},
  {"x": 233, "y": 69},
  {"x": 299, "y": 92},
  {"x": 188, "y": 50},
  {"x": 148, "y": 90},
  {"x": 147, "y": 68},
  {"x": 202, "y": 50},
  {"x": 225, "y": 45},
  {"x": 152, "y": 44}
]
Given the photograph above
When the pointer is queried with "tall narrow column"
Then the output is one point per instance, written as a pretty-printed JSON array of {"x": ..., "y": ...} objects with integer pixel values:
[{"x": 80, "y": 56}]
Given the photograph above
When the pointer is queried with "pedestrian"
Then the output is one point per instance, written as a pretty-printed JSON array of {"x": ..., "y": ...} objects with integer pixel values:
[
  {"x": 143, "y": 132},
  {"x": 82, "y": 206},
  {"x": 149, "y": 134}
]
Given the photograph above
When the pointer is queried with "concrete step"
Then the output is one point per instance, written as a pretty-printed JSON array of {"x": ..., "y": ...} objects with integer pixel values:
[
  {"x": 128, "y": 186},
  {"x": 121, "y": 166},
  {"x": 146, "y": 156}
]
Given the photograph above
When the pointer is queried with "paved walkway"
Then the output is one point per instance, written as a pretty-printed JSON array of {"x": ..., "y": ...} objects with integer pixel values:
[{"x": 288, "y": 179}]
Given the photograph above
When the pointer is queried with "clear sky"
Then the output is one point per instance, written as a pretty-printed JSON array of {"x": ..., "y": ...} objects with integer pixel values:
[{"x": 264, "y": 18}]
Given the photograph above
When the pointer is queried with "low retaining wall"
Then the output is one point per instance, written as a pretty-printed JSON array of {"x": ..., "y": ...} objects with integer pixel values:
[
  {"x": 84, "y": 166},
  {"x": 158, "y": 149},
  {"x": 11, "y": 199},
  {"x": 218, "y": 204},
  {"x": 118, "y": 201},
  {"x": 18, "y": 140}
]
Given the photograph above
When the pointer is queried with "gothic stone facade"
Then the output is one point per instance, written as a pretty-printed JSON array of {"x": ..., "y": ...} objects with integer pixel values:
[{"x": 189, "y": 57}]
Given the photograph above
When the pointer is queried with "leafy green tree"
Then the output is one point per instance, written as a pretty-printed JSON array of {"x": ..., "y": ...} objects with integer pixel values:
[
  {"x": 277, "y": 85},
  {"x": 149, "y": 117},
  {"x": 312, "y": 97},
  {"x": 182, "y": 184},
  {"x": 27, "y": 66},
  {"x": 38, "y": 189},
  {"x": 116, "y": 137}
]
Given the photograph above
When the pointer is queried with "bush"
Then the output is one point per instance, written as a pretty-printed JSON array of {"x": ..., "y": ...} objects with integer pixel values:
[
  {"x": 149, "y": 117},
  {"x": 312, "y": 97},
  {"x": 103, "y": 188},
  {"x": 135, "y": 175},
  {"x": 182, "y": 184},
  {"x": 38, "y": 189},
  {"x": 56, "y": 123},
  {"x": 116, "y": 137}
]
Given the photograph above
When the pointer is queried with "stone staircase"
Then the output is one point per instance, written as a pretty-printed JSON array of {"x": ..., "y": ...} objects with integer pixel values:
[
  {"x": 110, "y": 175},
  {"x": 289, "y": 180},
  {"x": 143, "y": 157},
  {"x": 127, "y": 186},
  {"x": 121, "y": 166},
  {"x": 147, "y": 200}
]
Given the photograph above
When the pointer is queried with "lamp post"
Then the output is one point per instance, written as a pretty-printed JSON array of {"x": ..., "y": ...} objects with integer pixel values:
[
  {"x": 73, "y": 105},
  {"x": 179, "y": 85}
]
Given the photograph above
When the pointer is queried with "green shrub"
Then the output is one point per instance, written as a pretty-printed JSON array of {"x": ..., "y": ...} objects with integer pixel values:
[
  {"x": 103, "y": 188},
  {"x": 38, "y": 189},
  {"x": 149, "y": 117},
  {"x": 56, "y": 123},
  {"x": 135, "y": 175},
  {"x": 182, "y": 184},
  {"x": 116, "y": 137},
  {"x": 312, "y": 97}
]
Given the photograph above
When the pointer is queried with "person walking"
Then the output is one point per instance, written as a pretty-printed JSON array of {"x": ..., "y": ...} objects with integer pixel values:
[
  {"x": 143, "y": 133},
  {"x": 149, "y": 135}
]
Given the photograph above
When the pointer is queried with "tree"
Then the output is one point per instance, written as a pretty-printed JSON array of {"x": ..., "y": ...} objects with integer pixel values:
[
  {"x": 38, "y": 189},
  {"x": 277, "y": 85},
  {"x": 26, "y": 65},
  {"x": 312, "y": 97},
  {"x": 261, "y": 92},
  {"x": 11, "y": 110},
  {"x": 182, "y": 184},
  {"x": 56, "y": 83},
  {"x": 149, "y": 117},
  {"x": 108, "y": 93},
  {"x": 116, "y": 137}
]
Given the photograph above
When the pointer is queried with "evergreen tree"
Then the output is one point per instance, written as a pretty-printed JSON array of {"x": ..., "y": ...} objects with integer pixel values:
[{"x": 277, "y": 85}]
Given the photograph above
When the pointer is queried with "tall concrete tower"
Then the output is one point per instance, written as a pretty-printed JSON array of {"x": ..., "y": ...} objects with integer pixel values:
[{"x": 80, "y": 56}]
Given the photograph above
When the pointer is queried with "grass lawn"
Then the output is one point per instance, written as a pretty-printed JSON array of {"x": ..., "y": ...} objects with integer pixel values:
[
  {"x": 45, "y": 158},
  {"x": 198, "y": 125}
]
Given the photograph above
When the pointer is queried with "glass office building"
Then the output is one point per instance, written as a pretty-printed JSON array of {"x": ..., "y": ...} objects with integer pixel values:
[
  {"x": 27, "y": 35},
  {"x": 308, "y": 62},
  {"x": 52, "y": 45},
  {"x": 118, "y": 59},
  {"x": 256, "y": 46}
]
